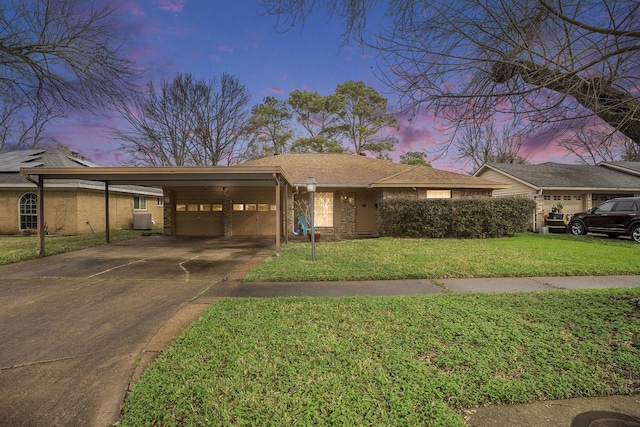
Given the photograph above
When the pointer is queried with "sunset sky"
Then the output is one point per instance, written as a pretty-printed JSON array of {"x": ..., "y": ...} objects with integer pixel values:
[{"x": 210, "y": 37}]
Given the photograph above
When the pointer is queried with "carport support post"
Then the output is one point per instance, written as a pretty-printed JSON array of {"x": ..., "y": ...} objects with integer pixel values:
[
  {"x": 41, "y": 230},
  {"x": 106, "y": 210},
  {"x": 278, "y": 214}
]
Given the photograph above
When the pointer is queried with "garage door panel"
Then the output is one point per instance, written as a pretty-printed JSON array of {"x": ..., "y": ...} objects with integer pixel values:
[
  {"x": 198, "y": 215},
  {"x": 253, "y": 217}
]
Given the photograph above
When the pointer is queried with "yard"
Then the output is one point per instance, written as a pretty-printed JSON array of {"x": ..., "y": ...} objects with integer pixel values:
[
  {"x": 21, "y": 248},
  {"x": 526, "y": 255},
  {"x": 418, "y": 360}
]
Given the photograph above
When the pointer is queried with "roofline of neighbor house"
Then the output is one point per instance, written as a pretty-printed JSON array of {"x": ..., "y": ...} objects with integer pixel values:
[
  {"x": 619, "y": 168},
  {"x": 521, "y": 181},
  {"x": 592, "y": 189},
  {"x": 146, "y": 191}
]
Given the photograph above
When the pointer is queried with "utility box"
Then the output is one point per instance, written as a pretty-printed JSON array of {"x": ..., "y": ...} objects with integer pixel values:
[{"x": 142, "y": 221}]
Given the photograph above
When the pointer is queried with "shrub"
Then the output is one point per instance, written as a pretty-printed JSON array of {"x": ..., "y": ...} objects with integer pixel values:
[{"x": 468, "y": 218}]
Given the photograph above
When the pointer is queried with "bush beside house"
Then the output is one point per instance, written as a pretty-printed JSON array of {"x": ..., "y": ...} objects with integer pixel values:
[{"x": 467, "y": 218}]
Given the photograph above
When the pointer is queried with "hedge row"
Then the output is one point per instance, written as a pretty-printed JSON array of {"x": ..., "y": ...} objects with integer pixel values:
[{"x": 468, "y": 218}]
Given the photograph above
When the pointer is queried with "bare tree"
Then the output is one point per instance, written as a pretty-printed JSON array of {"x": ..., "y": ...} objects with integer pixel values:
[
  {"x": 488, "y": 143},
  {"x": 22, "y": 125},
  {"x": 62, "y": 54},
  {"x": 593, "y": 145},
  {"x": 546, "y": 61},
  {"x": 222, "y": 117},
  {"x": 186, "y": 122}
]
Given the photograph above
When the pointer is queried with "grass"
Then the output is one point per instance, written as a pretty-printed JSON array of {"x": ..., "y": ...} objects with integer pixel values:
[
  {"x": 526, "y": 255},
  {"x": 394, "y": 361},
  {"x": 21, "y": 248}
]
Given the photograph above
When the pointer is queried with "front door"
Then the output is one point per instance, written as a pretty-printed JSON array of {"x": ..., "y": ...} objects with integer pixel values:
[{"x": 365, "y": 213}]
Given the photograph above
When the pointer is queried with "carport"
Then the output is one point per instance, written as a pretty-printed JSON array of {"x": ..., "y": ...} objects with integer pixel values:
[{"x": 268, "y": 184}]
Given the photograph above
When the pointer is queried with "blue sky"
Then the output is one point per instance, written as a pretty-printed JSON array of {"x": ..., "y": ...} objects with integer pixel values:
[{"x": 210, "y": 37}]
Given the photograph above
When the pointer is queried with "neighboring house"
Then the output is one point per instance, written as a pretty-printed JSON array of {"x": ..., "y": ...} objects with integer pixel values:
[
  {"x": 576, "y": 187},
  {"x": 351, "y": 187},
  {"x": 72, "y": 206}
]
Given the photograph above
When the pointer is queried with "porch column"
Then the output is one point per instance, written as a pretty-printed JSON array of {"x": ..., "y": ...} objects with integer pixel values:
[
  {"x": 40, "y": 215},
  {"x": 106, "y": 210},
  {"x": 286, "y": 213}
]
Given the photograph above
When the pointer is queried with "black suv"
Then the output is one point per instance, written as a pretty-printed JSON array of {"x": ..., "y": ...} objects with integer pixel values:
[{"x": 614, "y": 217}]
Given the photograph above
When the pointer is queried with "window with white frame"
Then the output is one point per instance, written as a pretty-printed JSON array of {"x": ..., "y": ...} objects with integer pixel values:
[
  {"x": 140, "y": 203},
  {"x": 323, "y": 209},
  {"x": 28, "y": 211},
  {"x": 160, "y": 202}
]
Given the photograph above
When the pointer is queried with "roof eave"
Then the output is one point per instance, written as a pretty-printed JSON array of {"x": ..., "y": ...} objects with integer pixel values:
[
  {"x": 162, "y": 176},
  {"x": 441, "y": 185},
  {"x": 591, "y": 189}
]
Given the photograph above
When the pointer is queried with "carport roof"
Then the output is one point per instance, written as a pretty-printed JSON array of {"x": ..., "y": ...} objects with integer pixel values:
[{"x": 166, "y": 176}]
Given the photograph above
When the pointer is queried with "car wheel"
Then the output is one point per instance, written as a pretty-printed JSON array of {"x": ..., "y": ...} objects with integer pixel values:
[
  {"x": 635, "y": 233},
  {"x": 577, "y": 228}
]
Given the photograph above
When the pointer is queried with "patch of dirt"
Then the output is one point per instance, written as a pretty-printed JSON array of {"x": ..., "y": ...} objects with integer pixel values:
[{"x": 613, "y": 411}]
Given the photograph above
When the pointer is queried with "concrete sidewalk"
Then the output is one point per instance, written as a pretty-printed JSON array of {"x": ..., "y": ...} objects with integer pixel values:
[{"x": 240, "y": 289}]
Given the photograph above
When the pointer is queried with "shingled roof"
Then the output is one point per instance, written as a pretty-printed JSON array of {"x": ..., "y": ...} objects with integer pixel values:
[
  {"x": 632, "y": 168},
  {"x": 11, "y": 162},
  {"x": 350, "y": 170},
  {"x": 563, "y": 176}
]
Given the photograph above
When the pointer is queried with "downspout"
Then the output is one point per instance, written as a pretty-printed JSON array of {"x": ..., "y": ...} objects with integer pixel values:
[
  {"x": 278, "y": 214},
  {"x": 293, "y": 200}
]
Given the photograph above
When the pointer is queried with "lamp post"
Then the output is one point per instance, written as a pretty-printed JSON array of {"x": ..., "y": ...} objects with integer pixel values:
[{"x": 311, "y": 188}]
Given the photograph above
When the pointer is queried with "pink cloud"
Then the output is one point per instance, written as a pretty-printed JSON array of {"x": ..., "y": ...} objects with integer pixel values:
[
  {"x": 171, "y": 5},
  {"x": 131, "y": 7},
  {"x": 276, "y": 90},
  {"x": 224, "y": 48}
]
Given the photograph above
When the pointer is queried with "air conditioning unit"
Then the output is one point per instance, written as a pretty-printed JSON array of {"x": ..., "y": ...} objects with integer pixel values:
[{"x": 142, "y": 221}]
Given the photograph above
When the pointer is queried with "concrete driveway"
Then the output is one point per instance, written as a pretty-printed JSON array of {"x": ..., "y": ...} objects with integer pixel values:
[{"x": 74, "y": 327}]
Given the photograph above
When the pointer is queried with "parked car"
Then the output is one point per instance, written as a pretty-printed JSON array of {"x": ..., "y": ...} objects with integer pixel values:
[{"x": 615, "y": 217}]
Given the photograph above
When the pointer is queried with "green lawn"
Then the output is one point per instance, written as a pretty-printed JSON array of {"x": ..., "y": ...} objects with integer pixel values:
[
  {"x": 394, "y": 361},
  {"x": 20, "y": 248},
  {"x": 525, "y": 255}
]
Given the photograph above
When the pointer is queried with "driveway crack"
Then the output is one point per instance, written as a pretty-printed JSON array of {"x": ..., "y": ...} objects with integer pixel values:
[{"x": 186, "y": 272}]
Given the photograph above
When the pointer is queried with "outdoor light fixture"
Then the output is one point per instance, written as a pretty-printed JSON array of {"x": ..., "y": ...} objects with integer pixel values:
[
  {"x": 311, "y": 188},
  {"x": 311, "y": 185}
]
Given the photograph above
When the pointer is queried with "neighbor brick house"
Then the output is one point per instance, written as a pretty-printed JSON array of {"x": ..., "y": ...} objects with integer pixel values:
[
  {"x": 576, "y": 187},
  {"x": 72, "y": 206}
]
